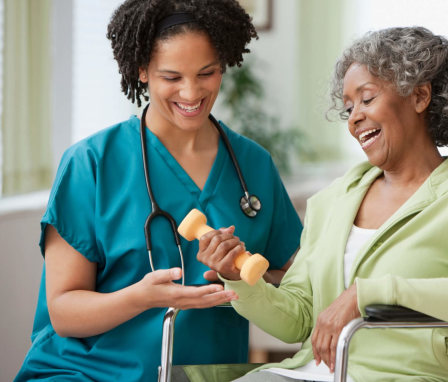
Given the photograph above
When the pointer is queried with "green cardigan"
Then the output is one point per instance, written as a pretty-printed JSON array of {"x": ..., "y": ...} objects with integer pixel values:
[{"x": 405, "y": 263}]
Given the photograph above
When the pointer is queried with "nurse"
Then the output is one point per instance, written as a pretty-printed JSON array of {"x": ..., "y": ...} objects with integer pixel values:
[{"x": 100, "y": 308}]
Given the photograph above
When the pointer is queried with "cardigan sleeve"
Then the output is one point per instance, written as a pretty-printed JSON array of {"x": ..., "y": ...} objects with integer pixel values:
[
  {"x": 427, "y": 296},
  {"x": 285, "y": 312}
]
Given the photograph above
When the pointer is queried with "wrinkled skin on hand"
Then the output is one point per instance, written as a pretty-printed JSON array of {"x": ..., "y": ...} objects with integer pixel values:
[
  {"x": 329, "y": 325},
  {"x": 218, "y": 250}
]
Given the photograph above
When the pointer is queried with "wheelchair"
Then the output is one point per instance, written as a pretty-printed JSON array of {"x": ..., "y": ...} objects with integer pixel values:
[{"x": 378, "y": 316}]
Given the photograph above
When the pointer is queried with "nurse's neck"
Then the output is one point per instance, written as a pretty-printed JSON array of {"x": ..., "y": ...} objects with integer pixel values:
[
  {"x": 184, "y": 137},
  {"x": 194, "y": 148}
]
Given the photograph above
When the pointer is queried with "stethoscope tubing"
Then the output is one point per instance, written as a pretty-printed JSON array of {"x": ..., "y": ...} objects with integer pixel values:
[
  {"x": 156, "y": 211},
  {"x": 231, "y": 153}
]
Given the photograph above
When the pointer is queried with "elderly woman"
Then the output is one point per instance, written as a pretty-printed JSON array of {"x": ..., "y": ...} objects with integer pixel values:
[{"x": 376, "y": 235}]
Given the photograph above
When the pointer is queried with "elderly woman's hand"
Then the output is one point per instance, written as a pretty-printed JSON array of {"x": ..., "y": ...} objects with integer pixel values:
[
  {"x": 217, "y": 250},
  {"x": 330, "y": 323}
]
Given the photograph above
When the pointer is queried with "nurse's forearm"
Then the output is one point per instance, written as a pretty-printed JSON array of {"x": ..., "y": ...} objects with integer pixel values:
[{"x": 82, "y": 313}]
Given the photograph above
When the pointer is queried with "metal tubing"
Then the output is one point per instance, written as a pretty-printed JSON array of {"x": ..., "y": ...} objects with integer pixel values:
[
  {"x": 167, "y": 344},
  {"x": 340, "y": 371},
  {"x": 349, "y": 330}
]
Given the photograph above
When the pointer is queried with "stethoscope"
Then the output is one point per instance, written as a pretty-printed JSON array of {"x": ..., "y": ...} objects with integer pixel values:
[{"x": 250, "y": 204}]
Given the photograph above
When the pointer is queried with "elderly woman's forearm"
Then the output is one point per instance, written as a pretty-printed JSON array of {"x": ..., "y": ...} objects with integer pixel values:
[{"x": 277, "y": 311}]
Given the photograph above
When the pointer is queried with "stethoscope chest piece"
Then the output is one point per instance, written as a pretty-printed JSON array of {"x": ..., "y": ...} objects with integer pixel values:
[{"x": 250, "y": 205}]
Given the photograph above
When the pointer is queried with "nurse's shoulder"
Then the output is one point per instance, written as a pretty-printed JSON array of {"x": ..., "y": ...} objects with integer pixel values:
[
  {"x": 112, "y": 140},
  {"x": 244, "y": 146}
]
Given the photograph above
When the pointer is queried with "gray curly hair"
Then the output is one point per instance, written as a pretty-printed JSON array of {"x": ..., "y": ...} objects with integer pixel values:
[{"x": 406, "y": 57}]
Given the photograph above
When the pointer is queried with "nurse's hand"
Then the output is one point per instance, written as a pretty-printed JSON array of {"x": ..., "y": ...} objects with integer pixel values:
[
  {"x": 159, "y": 290},
  {"x": 330, "y": 323},
  {"x": 218, "y": 250}
]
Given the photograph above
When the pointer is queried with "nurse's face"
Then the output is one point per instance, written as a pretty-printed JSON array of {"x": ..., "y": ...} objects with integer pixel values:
[{"x": 184, "y": 76}]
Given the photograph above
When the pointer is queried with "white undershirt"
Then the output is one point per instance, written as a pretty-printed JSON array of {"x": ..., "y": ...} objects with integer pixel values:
[
  {"x": 356, "y": 240},
  {"x": 310, "y": 372}
]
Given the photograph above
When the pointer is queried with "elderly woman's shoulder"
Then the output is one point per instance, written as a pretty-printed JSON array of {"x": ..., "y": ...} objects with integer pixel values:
[{"x": 358, "y": 176}]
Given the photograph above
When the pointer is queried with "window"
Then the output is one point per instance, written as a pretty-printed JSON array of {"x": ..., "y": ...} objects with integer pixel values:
[
  {"x": 62, "y": 85},
  {"x": 26, "y": 123}
]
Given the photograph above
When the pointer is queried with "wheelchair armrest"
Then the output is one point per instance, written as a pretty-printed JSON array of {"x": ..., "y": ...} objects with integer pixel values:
[
  {"x": 383, "y": 312},
  {"x": 379, "y": 316}
]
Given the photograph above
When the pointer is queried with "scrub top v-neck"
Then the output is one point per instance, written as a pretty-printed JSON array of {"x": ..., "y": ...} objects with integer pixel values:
[
  {"x": 209, "y": 187},
  {"x": 99, "y": 204}
]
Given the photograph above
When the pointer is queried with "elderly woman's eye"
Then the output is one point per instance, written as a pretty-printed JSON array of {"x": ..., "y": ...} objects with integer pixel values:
[
  {"x": 367, "y": 101},
  {"x": 348, "y": 110}
]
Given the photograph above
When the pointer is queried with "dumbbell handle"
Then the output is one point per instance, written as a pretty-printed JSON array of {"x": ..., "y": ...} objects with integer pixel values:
[
  {"x": 239, "y": 260},
  {"x": 202, "y": 230}
]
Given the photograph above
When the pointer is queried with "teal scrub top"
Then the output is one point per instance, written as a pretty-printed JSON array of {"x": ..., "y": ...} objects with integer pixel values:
[{"x": 99, "y": 204}]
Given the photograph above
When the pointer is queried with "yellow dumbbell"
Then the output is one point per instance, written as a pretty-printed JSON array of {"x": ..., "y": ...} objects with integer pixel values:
[{"x": 251, "y": 267}]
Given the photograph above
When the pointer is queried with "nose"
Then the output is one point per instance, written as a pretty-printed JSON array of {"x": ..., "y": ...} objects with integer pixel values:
[
  {"x": 190, "y": 90},
  {"x": 356, "y": 116}
]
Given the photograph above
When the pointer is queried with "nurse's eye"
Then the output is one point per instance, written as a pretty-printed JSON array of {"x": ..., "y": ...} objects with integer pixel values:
[
  {"x": 367, "y": 101},
  {"x": 171, "y": 79},
  {"x": 207, "y": 74}
]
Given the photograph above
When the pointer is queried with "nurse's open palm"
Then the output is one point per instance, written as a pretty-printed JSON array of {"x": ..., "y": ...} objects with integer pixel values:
[{"x": 158, "y": 289}]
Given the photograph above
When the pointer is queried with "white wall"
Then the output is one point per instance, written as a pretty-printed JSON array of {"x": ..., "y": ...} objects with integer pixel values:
[
  {"x": 97, "y": 98},
  {"x": 275, "y": 54},
  {"x": 19, "y": 283}
]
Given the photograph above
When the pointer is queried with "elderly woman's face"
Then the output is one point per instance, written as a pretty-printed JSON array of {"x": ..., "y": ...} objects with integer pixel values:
[{"x": 384, "y": 123}]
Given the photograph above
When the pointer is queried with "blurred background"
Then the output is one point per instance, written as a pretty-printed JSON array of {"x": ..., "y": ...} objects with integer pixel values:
[{"x": 59, "y": 84}]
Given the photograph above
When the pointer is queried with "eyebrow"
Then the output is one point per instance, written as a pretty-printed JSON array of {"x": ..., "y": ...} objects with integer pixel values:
[
  {"x": 200, "y": 70},
  {"x": 359, "y": 88}
]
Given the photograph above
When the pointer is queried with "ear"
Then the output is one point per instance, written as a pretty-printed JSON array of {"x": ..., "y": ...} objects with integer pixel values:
[
  {"x": 143, "y": 75},
  {"x": 422, "y": 97}
]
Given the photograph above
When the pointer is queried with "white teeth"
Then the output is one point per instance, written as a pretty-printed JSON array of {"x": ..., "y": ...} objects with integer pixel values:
[
  {"x": 365, "y": 143},
  {"x": 189, "y": 109},
  {"x": 365, "y": 133}
]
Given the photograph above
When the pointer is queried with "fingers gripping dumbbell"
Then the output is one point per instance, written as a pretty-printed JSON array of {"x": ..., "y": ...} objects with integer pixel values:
[{"x": 251, "y": 267}]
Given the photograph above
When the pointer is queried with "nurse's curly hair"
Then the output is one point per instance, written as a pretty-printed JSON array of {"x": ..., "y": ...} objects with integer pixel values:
[
  {"x": 133, "y": 34},
  {"x": 406, "y": 57}
]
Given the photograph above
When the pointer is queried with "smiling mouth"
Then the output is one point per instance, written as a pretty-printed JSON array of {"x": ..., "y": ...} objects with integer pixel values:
[
  {"x": 189, "y": 108},
  {"x": 367, "y": 137}
]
